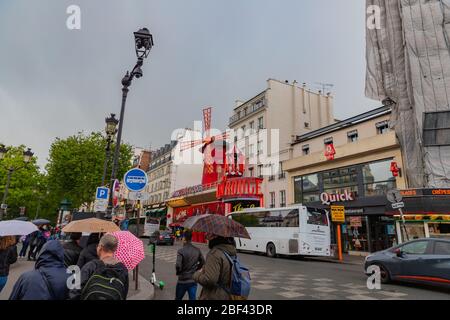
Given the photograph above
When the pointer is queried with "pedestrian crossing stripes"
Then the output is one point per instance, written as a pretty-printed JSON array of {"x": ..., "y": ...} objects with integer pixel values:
[{"x": 298, "y": 286}]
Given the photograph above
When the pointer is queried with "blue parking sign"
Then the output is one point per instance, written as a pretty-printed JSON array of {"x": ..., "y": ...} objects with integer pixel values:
[{"x": 102, "y": 193}]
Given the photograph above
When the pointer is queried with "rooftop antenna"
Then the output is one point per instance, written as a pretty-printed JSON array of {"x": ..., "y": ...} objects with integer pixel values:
[{"x": 325, "y": 87}]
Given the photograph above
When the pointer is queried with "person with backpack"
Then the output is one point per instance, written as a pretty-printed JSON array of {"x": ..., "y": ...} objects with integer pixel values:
[
  {"x": 223, "y": 277},
  {"x": 189, "y": 260},
  {"x": 104, "y": 278},
  {"x": 48, "y": 280}
]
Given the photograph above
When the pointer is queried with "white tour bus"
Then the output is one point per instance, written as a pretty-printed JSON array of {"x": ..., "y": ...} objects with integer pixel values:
[{"x": 296, "y": 230}]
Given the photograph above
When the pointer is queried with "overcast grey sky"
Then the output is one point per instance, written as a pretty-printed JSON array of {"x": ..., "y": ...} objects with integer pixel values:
[{"x": 55, "y": 82}]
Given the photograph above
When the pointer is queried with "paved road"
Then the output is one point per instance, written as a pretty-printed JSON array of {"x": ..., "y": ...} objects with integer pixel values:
[{"x": 292, "y": 278}]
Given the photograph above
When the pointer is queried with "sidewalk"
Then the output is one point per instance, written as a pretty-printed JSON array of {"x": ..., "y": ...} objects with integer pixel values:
[{"x": 144, "y": 292}]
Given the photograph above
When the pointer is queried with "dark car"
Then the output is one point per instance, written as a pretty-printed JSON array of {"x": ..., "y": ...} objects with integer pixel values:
[
  {"x": 424, "y": 261},
  {"x": 165, "y": 237}
]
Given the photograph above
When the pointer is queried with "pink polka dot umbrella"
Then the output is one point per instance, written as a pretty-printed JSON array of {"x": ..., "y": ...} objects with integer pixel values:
[{"x": 130, "y": 250}]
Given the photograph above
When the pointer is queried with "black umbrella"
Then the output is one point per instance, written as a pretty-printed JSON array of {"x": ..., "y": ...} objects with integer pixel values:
[
  {"x": 40, "y": 222},
  {"x": 22, "y": 218}
]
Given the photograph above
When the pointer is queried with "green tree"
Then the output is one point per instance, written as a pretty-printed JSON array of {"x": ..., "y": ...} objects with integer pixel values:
[
  {"x": 26, "y": 183},
  {"x": 75, "y": 167}
]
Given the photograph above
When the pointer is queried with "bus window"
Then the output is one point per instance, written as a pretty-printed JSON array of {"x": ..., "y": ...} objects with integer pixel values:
[
  {"x": 268, "y": 219},
  {"x": 317, "y": 217}
]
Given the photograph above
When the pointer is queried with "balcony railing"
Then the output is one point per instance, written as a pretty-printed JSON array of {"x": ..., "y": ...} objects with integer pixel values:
[
  {"x": 271, "y": 178},
  {"x": 252, "y": 109},
  {"x": 282, "y": 175}
]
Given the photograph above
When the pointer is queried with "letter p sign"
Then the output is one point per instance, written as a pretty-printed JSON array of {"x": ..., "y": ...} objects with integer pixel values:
[{"x": 102, "y": 193}]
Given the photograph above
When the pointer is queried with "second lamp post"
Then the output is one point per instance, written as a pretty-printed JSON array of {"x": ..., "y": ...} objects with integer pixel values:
[{"x": 111, "y": 130}]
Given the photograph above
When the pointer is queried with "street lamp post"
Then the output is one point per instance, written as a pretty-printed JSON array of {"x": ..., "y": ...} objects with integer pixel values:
[
  {"x": 143, "y": 44},
  {"x": 111, "y": 130},
  {"x": 27, "y": 156}
]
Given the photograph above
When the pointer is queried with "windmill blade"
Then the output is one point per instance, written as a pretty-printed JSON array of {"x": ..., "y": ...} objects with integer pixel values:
[
  {"x": 223, "y": 136},
  {"x": 207, "y": 120},
  {"x": 185, "y": 145}
]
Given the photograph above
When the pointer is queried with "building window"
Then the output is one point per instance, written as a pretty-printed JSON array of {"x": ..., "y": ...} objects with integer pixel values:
[
  {"x": 283, "y": 198},
  {"x": 250, "y": 171},
  {"x": 328, "y": 141},
  {"x": 251, "y": 150},
  {"x": 272, "y": 199},
  {"x": 272, "y": 174},
  {"x": 281, "y": 173},
  {"x": 341, "y": 180},
  {"x": 378, "y": 178},
  {"x": 305, "y": 149},
  {"x": 352, "y": 136},
  {"x": 245, "y": 111},
  {"x": 436, "y": 129},
  {"x": 260, "y": 123},
  {"x": 306, "y": 189},
  {"x": 259, "y": 173},
  {"x": 252, "y": 124},
  {"x": 243, "y": 130},
  {"x": 382, "y": 127},
  {"x": 259, "y": 147}
]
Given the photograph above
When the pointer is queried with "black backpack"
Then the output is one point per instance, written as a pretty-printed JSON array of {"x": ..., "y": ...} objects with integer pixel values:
[{"x": 104, "y": 284}]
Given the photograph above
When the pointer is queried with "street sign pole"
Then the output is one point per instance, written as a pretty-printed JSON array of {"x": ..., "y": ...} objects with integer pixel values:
[
  {"x": 339, "y": 242},
  {"x": 404, "y": 223}
]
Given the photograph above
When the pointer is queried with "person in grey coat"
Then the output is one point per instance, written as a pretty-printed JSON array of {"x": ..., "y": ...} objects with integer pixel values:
[{"x": 189, "y": 260}]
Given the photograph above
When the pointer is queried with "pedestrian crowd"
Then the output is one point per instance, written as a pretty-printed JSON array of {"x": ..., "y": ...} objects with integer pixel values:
[{"x": 103, "y": 277}]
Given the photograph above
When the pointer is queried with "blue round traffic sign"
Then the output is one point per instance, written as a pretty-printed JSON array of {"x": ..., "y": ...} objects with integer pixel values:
[{"x": 136, "y": 180}]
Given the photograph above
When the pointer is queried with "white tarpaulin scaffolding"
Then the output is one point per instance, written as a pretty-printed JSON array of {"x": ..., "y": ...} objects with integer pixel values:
[{"x": 408, "y": 63}]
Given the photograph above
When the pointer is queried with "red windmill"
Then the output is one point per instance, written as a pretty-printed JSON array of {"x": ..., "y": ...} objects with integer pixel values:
[{"x": 210, "y": 173}]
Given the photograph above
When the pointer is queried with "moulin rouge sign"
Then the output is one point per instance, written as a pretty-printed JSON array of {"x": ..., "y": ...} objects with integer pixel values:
[{"x": 239, "y": 187}]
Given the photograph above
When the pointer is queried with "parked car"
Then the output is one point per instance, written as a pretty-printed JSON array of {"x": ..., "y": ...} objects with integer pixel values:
[
  {"x": 165, "y": 237},
  {"x": 424, "y": 261}
]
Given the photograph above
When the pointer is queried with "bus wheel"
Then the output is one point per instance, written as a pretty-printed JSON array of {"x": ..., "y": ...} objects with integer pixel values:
[{"x": 271, "y": 251}]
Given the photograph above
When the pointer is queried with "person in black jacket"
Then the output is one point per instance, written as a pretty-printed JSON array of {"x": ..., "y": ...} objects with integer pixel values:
[
  {"x": 48, "y": 280},
  {"x": 106, "y": 261},
  {"x": 189, "y": 260},
  {"x": 34, "y": 241},
  {"x": 72, "y": 249},
  {"x": 8, "y": 256},
  {"x": 89, "y": 253}
]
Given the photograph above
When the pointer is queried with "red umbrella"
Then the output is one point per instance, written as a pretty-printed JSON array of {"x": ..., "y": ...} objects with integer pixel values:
[{"x": 130, "y": 250}]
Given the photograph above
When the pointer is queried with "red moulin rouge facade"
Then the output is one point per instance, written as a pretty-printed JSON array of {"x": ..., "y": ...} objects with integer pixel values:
[
  {"x": 182, "y": 213},
  {"x": 224, "y": 188}
]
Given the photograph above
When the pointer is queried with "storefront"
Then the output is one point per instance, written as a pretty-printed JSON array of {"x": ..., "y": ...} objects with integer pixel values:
[
  {"x": 426, "y": 214},
  {"x": 361, "y": 189},
  {"x": 158, "y": 211}
]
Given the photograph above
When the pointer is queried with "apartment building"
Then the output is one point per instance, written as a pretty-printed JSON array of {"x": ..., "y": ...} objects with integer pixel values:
[
  {"x": 284, "y": 109},
  {"x": 352, "y": 163},
  {"x": 159, "y": 175}
]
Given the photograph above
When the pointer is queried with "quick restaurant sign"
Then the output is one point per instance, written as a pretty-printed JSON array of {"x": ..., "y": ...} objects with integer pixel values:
[{"x": 329, "y": 198}]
